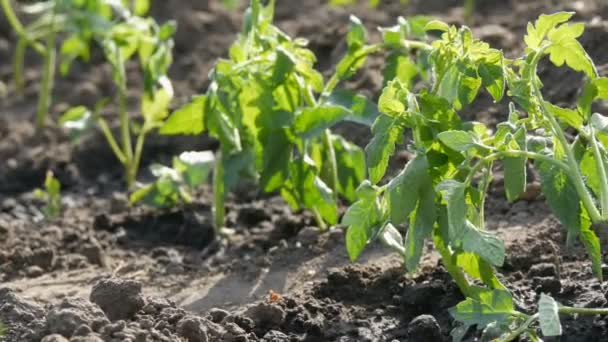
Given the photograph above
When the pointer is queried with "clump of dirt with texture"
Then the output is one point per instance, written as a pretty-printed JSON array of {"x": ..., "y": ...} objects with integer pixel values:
[{"x": 105, "y": 271}]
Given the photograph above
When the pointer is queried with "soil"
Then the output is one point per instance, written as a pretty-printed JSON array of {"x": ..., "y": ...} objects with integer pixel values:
[{"x": 105, "y": 271}]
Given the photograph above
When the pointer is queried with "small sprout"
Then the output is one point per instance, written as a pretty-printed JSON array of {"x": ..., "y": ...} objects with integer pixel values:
[
  {"x": 50, "y": 195},
  {"x": 174, "y": 185}
]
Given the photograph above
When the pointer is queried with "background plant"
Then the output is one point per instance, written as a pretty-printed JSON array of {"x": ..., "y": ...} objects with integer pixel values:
[
  {"x": 132, "y": 37},
  {"x": 440, "y": 194},
  {"x": 67, "y": 28}
]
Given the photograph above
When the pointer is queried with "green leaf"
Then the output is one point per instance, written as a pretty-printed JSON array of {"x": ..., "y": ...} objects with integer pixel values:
[
  {"x": 392, "y": 238},
  {"x": 386, "y": 132},
  {"x": 351, "y": 167},
  {"x": 483, "y": 243},
  {"x": 569, "y": 51},
  {"x": 357, "y": 35},
  {"x": 392, "y": 98},
  {"x": 360, "y": 109},
  {"x": 194, "y": 167},
  {"x": 584, "y": 102},
  {"x": 492, "y": 76},
  {"x": 362, "y": 218},
  {"x": 589, "y": 170},
  {"x": 561, "y": 196},
  {"x": 571, "y": 117},
  {"x": 454, "y": 195},
  {"x": 515, "y": 168},
  {"x": 400, "y": 67},
  {"x": 141, "y": 7},
  {"x": 601, "y": 83},
  {"x": 479, "y": 269},
  {"x": 283, "y": 66},
  {"x": 545, "y": 23},
  {"x": 592, "y": 244},
  {"x": 489, "y": 306},
  {"x": 436, "y": 25},
  {"x": 422, "y": 222},
  {"x": 155, "y": 107},
  {"x": 188, "y": 119},
  {"x": 403, "y": 190},
  {"x": 313, "y": 121},
  {"x": 548, "y": 316},
  {"x": 600, "y": 123},
  {"x": 460, "y": 141},
  {"x": 276, "y": 158}
]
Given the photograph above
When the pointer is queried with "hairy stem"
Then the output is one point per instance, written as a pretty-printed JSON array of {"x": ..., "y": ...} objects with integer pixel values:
[
  {"x": 320, "y": 222},
  {"x": 456, "y": 272},
  {"x": 521, "y": 329},
  {"x": 219, "y": 190},
  {"x": 582, "y": 311},
  {"x": 10, "y": 15},
  {"x": 602, "y": 174},
  {"x": 575, "y": 173},
  {"x": 107, "y": 133},
  {"x": 333, "y": 164},
  {"x": 19, "y": 60},
  {"x": 139, "y": 146}
]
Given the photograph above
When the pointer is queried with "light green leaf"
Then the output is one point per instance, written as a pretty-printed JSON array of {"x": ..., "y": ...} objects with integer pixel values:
[
  {"x": 357, "y": 35},
  {"x": 436, "y": 25},
  {"x": 454, "y": 195},
  {"x": 400, "y": 67},
  {"x": 188, "y": 119},
  {"x": 460, "y": 141},
  {"x": 548, "y": 316},
  {"x": 592, "y": 244},
  {"x": 485, "y": 244},
  {"x": 392, "y": 238},
  {"x": 479, "y": 269},
  {"x": 542, "y": 26},
  {"x": 391, "y": 101},
  {"x": 601, "y": 83},
  {"x": 599, "y": 122},
  {"x": 489, "y": 306},
  {"x": 194, "y": 167},
  {"x": 403, "y": 190},
  {"x": 313, "y": 121},
  {"x": 386, "y": 132}
]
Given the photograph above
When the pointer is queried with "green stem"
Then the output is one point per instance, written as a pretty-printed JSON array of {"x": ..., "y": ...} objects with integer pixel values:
[
  {"x": 10, "y": 15},
  {"x": 582, "y": 311},
  {"x": 105, "y": 129},
  {"x": 513, "y": 153},
  {"x": 456, "y": 272},
  {"x": 602, "y": 174},
  {"x": 575, "y": 173},
  {"x": 219, "y": 193},
  {"x": 333, "y": 164},
  {"x": 487, "y": 179},
  {"x": 320, "y": 222},
  {"x": 47, "y": 82},
  {"x": 139, "y": 146},
  {"x": 18, "y": 63}
]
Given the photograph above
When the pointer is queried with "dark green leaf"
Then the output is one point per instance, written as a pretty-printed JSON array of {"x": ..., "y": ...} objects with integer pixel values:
[
  {"x": 454, "y": 195},
  {"x": 403, "y": 190},
  {"x": 386, "y": 132},
  {"x": 460, "y": 141},
  {"x": 351, "y": 167},
  {"x": 489, "y": 306}
]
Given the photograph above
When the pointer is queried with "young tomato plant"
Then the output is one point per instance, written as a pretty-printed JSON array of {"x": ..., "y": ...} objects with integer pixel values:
[
  {"x": 51, "y": 195},
  {"x": 173, "y": 185},
  {"x": 73, "y": 25},
  {"x": 440, "y": 194},
  {"x": 272, "y": 112},
  {"x": 152, "y": 44}
]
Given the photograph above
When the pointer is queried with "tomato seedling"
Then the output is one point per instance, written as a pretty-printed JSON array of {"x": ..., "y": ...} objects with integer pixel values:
[
  {"x": 174, "y": 185},
  {"x": 272, "y": 112},
  {"x": 152, "y": 44},
  {"x": 50, "y": 195},
  {"x": 441, "y": 192}
]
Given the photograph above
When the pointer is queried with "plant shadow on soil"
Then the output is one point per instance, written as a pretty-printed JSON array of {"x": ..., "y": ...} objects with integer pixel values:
[{"x": 172, "y": 253}]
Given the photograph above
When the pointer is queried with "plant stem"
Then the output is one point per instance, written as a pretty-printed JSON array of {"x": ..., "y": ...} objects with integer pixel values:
[
  {"x": 10, "y": 15},
  {"x": 602, "y": 174},
  {"x": 333, "y": 164},
  {"x": 575, "y": 173},
  {"x": 139, "y": 146},
  {"x": 105, "y": 129},
  {"x": 218, "y": 211},
  {"x": 521, "y": 329},
  {"x": 582, "y": 311},
  {"x": 456, "y": 272},
  {"x": 19, "y": 60},
  {"x": 47, "y": 81},
  {"x": 322, "y": 225}
]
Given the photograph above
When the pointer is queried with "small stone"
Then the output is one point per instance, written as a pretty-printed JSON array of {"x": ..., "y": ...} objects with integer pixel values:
[
  {"x": 234, "y": 333},
  {"x": 94, "y": 253},
  {"x": 308, "y": 235},
  {"x": 275, "y": 336},
  {"x": 118, "y": 298},
  {"x": 192, "y": 329},
  {"x": 88, "y": 338},
  {"x": 83, "y": 330},
  {"x": 34, "y": 271},
  {"x": 547, "y": 284},
  {"x": 266, "y": 315},
  {"x": 543, "y": 270},
  {"x": 217, "y": 315},
  {"x": 54, "y": 338},
  {"x": 70, "y": 314},
  {"x": 424, "y": 328}
]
